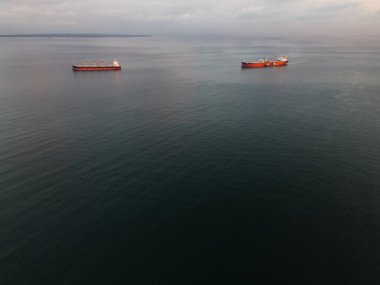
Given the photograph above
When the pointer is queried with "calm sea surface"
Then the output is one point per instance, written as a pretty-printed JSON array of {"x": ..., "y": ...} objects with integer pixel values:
[{"x": 183, "y": 168}]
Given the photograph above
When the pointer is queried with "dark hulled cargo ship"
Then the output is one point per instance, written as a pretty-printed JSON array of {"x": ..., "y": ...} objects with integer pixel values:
[{"x": 97, "y": 66}]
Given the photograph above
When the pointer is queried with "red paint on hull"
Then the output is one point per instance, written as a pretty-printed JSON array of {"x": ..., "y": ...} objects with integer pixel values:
[
  {"x": 96, "y": 68},
  {"x": 252, "y": 64},
  {"x": 275, "y": 63}
]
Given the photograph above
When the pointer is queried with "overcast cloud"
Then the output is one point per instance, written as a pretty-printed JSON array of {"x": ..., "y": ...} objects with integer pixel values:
[{"x": 238, "y": 17}]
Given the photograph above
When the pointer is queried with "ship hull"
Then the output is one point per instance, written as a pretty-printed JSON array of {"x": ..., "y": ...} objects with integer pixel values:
[
  {"x": 96, "y": 68},
  {"x": 262, "y": 64},
  {"x": 252, "y": 64},
  {"x": 275, "y": 63}
]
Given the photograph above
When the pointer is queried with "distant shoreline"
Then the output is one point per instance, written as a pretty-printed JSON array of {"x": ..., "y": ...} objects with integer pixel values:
[{"x": 73, "y": 36}]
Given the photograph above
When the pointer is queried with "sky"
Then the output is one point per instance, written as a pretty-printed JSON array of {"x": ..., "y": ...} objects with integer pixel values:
[{"x": 340, "y": 18}]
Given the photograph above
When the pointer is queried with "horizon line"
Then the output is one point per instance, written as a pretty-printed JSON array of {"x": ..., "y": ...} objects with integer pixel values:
[{"x": 72, "y": 35}]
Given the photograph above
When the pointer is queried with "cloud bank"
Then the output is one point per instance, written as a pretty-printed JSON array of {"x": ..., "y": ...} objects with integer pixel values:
[{"x": 239, "y": 17}]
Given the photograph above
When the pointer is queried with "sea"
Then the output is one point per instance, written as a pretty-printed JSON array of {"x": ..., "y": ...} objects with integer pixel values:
[{"x": 183, "y": 168}]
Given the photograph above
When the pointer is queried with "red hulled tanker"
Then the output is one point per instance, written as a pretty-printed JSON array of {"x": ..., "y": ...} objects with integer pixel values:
[{"x": 281, "y": 61}]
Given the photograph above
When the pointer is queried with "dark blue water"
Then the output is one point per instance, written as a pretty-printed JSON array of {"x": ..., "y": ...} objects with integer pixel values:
[{"x": 183, "y": 168}]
